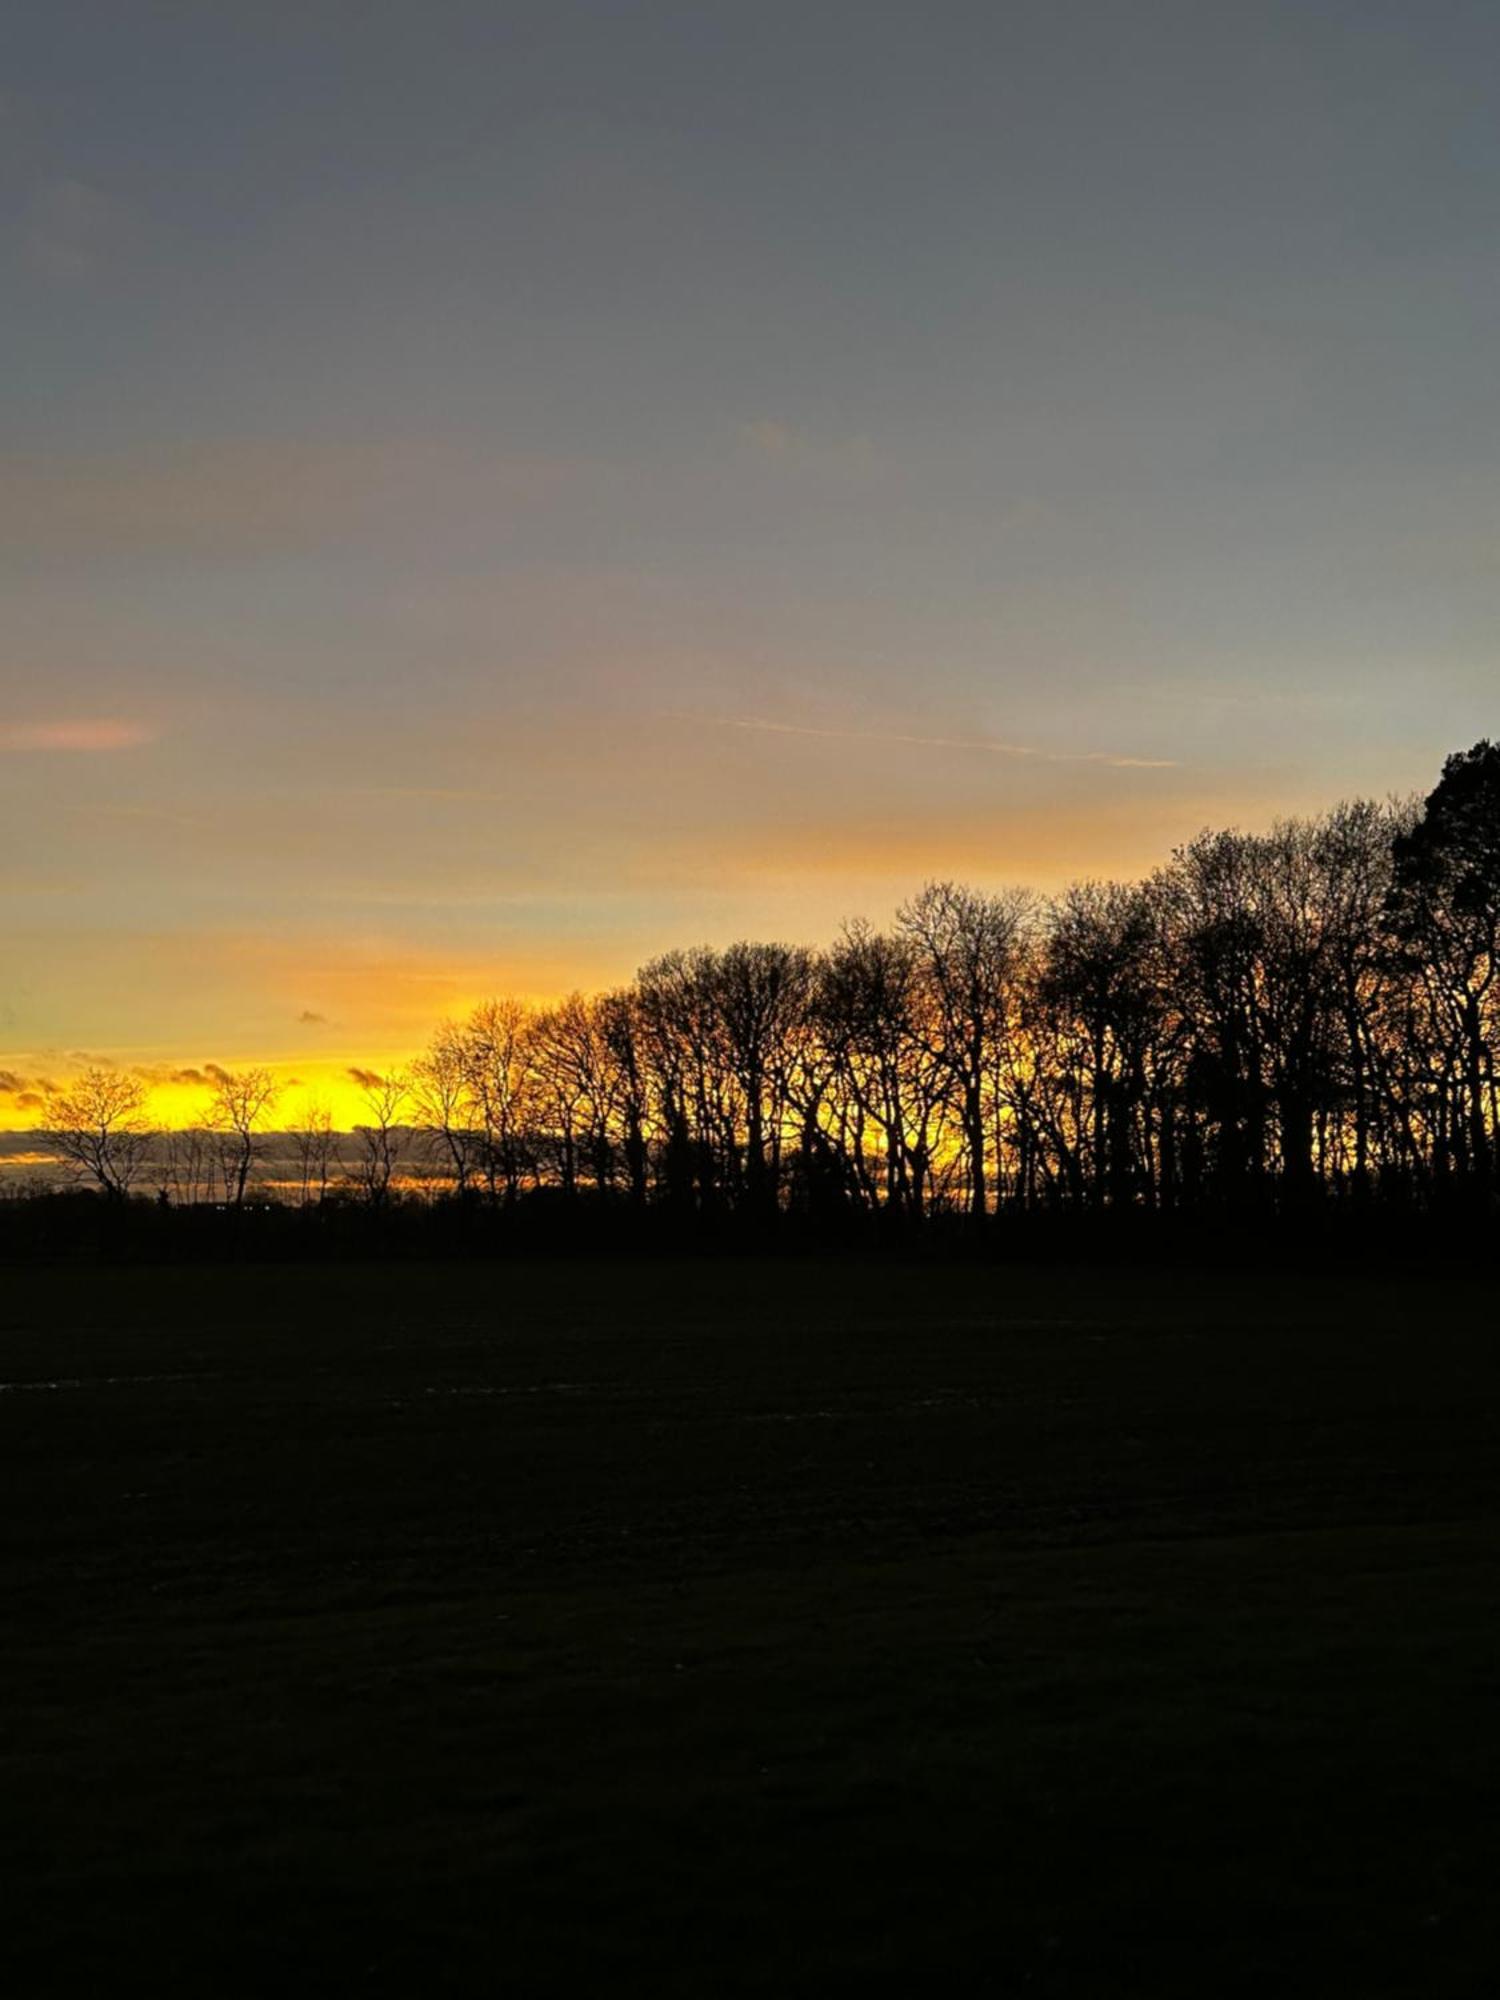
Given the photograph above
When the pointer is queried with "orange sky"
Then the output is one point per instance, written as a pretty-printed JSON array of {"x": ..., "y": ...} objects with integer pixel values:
[
  {"x": 481, "y": 506},
  {"x": 312, "y": 1006}
]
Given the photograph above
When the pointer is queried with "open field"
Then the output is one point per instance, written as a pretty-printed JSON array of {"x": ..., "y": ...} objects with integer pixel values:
[{"x": 714, "y": 1628}]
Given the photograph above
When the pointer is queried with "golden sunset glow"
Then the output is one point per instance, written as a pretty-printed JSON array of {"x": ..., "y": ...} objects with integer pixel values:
[
  {"x": 749, "y": 996},
  {"x": 476, "y": 567},
  {"x": 166, "y": 1004}
]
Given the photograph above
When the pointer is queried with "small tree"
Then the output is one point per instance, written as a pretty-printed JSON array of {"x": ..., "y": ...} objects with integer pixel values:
[
  {"x": 495, "y": 1046},
  {"x": 317, "y": 1151},
  {"x": 443, "y": 1103},
  {"x": 241, "y": 1098},
  {"x": 97, "y": 1126},
  {"x": 186, "y": 1165},
  {"x": 382, "y": 1140}
]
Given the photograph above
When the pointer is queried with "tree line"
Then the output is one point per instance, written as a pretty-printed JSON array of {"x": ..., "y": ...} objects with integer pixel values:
[{"x": 1270, "y": 1020}]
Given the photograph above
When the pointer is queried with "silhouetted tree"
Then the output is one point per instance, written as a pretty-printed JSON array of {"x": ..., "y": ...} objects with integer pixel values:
[
  {"x": 627, "y": 1108},
  {"x": 1101, "y": 986},
  {"x": 444, "y": 1102},
  {"x": 885, "y": 1103},
  {"x": 1295, "y": 1017},
  {"x": 1444, "y": 911},
  {"x": 496, "y": 1057},
  {"x": 239, "y": 1101},
  {"x": 380, "y": 1137},
  {"x": 316, "y": 1146},
  {"x": 187, "y": 1165},
  {"x": 971, "y": 950},
  {"x": 97, "y": 1125}
]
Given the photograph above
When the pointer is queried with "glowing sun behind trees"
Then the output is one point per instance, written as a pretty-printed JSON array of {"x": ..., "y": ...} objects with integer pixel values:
[{"x": 1311, "y": 1010}]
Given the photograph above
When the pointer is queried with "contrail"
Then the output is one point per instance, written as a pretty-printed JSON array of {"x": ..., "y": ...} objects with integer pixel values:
[{"x": 994, "y": 746}]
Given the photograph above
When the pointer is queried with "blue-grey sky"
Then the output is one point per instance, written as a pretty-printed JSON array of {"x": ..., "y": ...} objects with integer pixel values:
[{"x": 489, "y": 491}]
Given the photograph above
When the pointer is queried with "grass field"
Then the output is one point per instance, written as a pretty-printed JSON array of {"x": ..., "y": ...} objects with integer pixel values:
[{"x": 726, "y": 1629}]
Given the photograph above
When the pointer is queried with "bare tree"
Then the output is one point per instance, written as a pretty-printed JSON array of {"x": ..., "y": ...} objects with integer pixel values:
[
  {"x": 496, "y": 1058},
  {"x": 885, "y": 1103},
  {"x": 380, "y": 1139},
  {"x": 316, "y": 1146},
  {"x": 1271, "y": 1018},
  {"x": 622, "y": 1050},
  {"x": 1096, "y": 1038},
  {"x": 238, "y": 1102},
  {"x": 761, "y": 996},
  {"x": 562, "y": 1058},
  {"x": 186, "y": 1162},
  {"x": 971, "y": 951},
  {"x": 97, "y": 1125},
  {"x": 444, "y": 1105}
]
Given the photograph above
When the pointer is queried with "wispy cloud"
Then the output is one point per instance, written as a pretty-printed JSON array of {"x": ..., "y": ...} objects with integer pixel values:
[
  {"x": 28, "y": 1091},
  {"x": 87, "y": 733},
  {"x": 989, "y": 745},
  {"x": 24, "y": 1093}
]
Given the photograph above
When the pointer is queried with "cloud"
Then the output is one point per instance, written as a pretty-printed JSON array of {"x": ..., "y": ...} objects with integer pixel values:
[
  {"x": 367, "y": 1079},
  {"x": 28, "y": 1091},
  {"x": 86, "y": 734},
  {"x": 308, "y": 1019},
  {"x": 993, "y": 746},
  {"x": 166, "y": 1073}
]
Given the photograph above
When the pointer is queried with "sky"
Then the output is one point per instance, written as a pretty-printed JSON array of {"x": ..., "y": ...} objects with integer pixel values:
[{"x": 489, "y": 492}]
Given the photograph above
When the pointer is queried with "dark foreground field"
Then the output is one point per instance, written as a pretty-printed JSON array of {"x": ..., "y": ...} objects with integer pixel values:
[{"x": 729, "y": 1629}]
